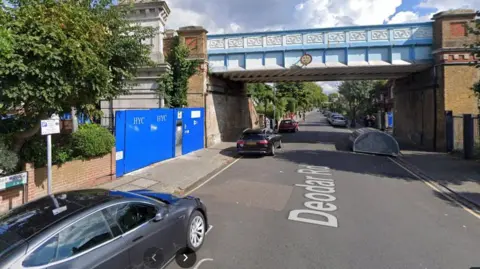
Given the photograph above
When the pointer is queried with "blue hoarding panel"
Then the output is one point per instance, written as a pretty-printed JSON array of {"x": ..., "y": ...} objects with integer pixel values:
[
  {"x": 138, "y": 153},
  {"x": 193, "y": 129},
  {"x": 120, "y": 143},
  {"x": 390, "y": 119},
  {"x": 162, "y": 132}
]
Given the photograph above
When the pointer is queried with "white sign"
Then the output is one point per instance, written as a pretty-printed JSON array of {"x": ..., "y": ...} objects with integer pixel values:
[
  {"x": 179, "y": 115},
  {"x": 195, "y": 122},
  {"x": 13, "y": 180},
  {"x": 321, "y": 189},
  {"x": 119, "y": 155},
  {"x": 51, "y": 126},
  {"x": 195, "y": 114}
]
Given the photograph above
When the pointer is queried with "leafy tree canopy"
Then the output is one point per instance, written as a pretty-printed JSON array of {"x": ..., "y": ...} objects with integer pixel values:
[
  {"x": 173, "y": 85},
  {"x": 55, "y": 55}
]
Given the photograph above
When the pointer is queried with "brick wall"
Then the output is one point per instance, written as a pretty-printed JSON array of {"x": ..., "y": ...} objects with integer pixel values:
[
  {"x": 458, "y": 82},
  {"x": 414, "y": 109},
  {"x": 414, "y": 101},
  {"x": 76, "y": 174},
  {"x": 228, "y": 110},
  {"x": 11, "y": 198},
  {"x": 450, "y": 29}
]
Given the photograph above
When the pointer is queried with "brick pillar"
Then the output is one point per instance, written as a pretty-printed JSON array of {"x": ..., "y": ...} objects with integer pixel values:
[
  {"x": 453, "y": 74},
  {"x": 31, "y": 186},
  {"x": 195, "y": 37}
]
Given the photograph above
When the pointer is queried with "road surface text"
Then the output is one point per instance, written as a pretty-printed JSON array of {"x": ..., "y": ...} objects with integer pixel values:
[{"x": 320, "y": 189}]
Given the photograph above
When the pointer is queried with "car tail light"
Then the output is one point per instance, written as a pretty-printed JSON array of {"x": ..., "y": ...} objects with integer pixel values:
[
  {"x": 263, "y": 142},
  {"x": 240, "y": 142}
]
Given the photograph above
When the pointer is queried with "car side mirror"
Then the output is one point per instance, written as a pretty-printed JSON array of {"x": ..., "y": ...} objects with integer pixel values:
[{"x": 162, "y": 212}]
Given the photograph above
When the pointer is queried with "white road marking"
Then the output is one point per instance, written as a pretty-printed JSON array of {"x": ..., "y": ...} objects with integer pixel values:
[
  {"x": 431, "y": 185},
  {"x": 320, "y": 192},
  {"x": 201, "y": 261},
  {"x": 212, "y": 177},
  {"x": 210, "y": 227}
]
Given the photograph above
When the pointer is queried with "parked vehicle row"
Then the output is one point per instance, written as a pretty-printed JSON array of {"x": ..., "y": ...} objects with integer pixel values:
[{"x": 336, "y": 119}]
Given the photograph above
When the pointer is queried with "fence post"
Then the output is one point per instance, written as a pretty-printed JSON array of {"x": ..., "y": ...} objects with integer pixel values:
[
  {"x": 468, "y": 136},
  {"x": 449, "y": 130}
]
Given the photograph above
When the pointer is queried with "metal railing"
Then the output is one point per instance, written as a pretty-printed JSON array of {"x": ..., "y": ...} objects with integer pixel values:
[{"x": 458, "y": 138}]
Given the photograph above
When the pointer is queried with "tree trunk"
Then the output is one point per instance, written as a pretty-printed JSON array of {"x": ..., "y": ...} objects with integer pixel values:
[{"x": 20, "y": 138}]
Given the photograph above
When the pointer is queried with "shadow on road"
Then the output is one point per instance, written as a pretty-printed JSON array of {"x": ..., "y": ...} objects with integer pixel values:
[
  {"x": 338, "y": 138},
  {"x": 348, "y": 162}
]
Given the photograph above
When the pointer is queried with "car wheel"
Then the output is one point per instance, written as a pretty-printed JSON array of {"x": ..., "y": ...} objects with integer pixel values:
[
  {"x": 196, "y": 231},
  {"x": 272, "y": 150}
]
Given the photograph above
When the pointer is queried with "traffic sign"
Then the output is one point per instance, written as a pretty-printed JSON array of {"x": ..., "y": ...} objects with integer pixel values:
[{"x": 51, "y": 126}]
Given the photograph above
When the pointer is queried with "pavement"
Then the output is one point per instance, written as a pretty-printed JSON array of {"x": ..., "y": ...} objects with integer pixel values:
[
  {"x": 180, "y": 174},
  {"x": 317, "y": 205},
  {"x": 458, "y": 175}
]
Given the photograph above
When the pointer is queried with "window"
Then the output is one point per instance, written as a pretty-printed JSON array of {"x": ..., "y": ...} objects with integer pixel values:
[
  {"x": 42, "y": 255},
  {"x": 130, "y": 216},
  {"x": 109, "y": 214},
  {"x": 253, "y": 136},
  {"x": 83, "y": 235}
]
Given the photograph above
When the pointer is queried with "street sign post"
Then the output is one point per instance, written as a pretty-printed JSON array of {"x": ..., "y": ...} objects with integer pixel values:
[{"x": 49, "y": 127}]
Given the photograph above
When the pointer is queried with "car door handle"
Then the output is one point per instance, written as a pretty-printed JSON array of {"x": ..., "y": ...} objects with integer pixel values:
[
  {"x": 181, "y": 217},
  {"x": 138, "y": 238}
]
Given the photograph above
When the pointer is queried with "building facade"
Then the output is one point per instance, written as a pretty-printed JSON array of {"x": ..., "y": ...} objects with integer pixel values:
[{"x": 152, "y": 13}]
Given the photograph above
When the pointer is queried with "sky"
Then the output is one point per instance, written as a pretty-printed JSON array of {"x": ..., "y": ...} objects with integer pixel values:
[{"x": 232, "y": 16}]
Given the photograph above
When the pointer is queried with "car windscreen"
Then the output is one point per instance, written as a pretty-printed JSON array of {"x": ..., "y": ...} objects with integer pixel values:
[
  {"x": 338, "y": 118},
  {"x": 286, "y": 122},
  {"x": 253, "y": 136}
]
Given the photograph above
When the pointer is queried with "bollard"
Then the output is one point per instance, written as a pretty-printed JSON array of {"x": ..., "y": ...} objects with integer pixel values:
[
  {"x": 449, "y": 130},
  {"x": 468, "y": 136}
]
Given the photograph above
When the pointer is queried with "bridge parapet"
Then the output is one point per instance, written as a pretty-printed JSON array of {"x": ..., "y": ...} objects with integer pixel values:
[{"x": 340, "y": 46}]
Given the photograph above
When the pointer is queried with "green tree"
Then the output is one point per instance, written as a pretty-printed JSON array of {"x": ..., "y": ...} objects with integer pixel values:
[
  {"x": 262, "y": 94},
  {"x": 291, "y": 91},
  {"x": 57, "y": 55},
  {"x": 337, "y": 103},
  {"x": 357, "y": 94},
  {"x": 173, "y": 85},
  {"x": 316, "y": 96}
]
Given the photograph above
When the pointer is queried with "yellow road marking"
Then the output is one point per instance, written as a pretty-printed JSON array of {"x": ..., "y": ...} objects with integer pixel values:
[{"x": 431, "y": 185}]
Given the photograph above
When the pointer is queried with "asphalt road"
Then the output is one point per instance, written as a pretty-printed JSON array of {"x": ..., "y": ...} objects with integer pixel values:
[{"x": 381, "y": 217}]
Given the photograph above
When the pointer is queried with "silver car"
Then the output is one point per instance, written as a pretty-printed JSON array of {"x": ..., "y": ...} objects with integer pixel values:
[
  {"x": 101, "y": 229},
  {"x": 338, "y": 120}
]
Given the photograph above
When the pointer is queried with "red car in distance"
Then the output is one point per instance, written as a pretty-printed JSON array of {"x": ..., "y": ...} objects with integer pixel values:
[{"x": 288, "y": 126}]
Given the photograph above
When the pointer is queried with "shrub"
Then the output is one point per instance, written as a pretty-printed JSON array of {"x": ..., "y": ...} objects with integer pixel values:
[
  {"x": 8, "y": 159},
  {"x": 92, "y": 140},
  {"x": 35, "y": 150}
]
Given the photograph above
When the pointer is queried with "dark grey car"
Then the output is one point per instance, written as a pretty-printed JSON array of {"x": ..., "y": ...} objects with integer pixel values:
[{"x": 101, "y": 229}]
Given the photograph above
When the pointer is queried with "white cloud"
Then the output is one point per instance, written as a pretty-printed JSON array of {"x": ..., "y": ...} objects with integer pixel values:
[
  {"x": 329, "y": 86},
  {"x": 442, "y": 5},
  {"x": 409, "y": 16},
  {"x": 326, "y": 13},
  {"x": 227, "y": 16}
]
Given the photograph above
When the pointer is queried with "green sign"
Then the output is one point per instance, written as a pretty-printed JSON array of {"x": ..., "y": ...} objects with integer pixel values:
[{"x": 13, "y": 180}]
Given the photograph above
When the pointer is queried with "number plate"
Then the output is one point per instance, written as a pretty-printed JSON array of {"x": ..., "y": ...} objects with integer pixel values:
[{"x": 251, "y": 143}]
